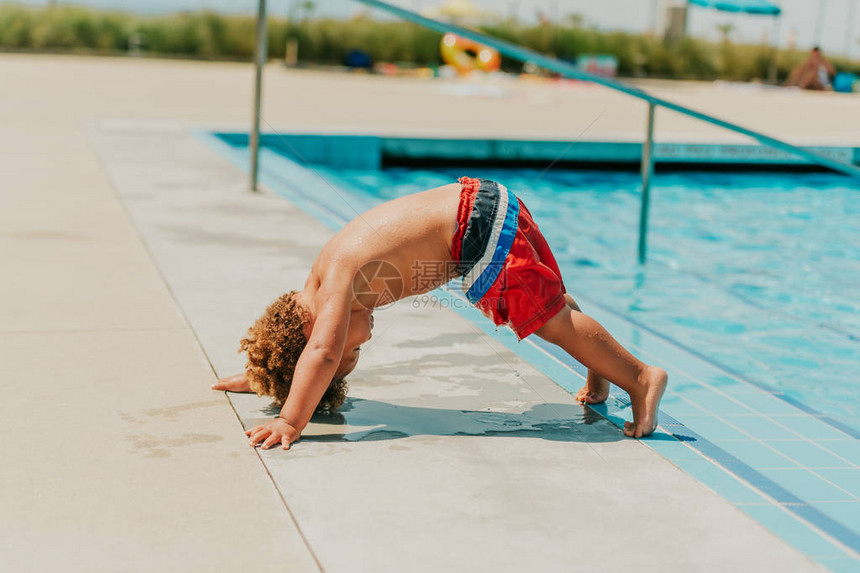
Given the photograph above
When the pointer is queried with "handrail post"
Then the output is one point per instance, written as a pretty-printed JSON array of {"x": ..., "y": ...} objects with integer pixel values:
[
  {"x": 647, "y": 172},
  {"x": 259, "y": 60}
]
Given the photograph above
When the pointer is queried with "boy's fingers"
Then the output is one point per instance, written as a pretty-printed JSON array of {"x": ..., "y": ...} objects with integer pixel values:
[
  {"x": 259, "y": 435},
  {"x": 235, "y": 383},
  {"x": 271, "y": 440},
  {"x": 225, "y": 385},
  {"x": 285, "y": 441}
]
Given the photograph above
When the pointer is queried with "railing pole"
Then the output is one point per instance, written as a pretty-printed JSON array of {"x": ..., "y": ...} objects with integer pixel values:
[
  {"x": 259, "y": 60},
  {"x": 647, "y": 171}
]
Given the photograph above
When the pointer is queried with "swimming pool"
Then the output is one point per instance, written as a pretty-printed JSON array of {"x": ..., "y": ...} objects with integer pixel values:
[{"x": 747, "y": 300}]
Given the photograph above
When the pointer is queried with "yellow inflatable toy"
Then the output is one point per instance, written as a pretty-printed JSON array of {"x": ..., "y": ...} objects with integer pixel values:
[{"x": 466, "y": 56}]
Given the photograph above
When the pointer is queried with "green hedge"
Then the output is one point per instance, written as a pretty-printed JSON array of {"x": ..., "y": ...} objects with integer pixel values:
[{"x": 215, "y": 36}]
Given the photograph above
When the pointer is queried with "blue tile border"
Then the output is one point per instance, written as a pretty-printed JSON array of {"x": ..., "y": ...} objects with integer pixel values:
[
  {"x": 846, "y": 449},
  {"x": 763, "y": 428},
  {"x": 714, "y": 476},
  {"x": 738, "y": 468},
  {"x": 854, "y": 433},
  {"x": 807, "y": 486},
  {"x": 764, "y": 456},
  {"x": 846, "y": 478},
  {"x": 810, "y": 455},
  {"x": 840, "y": 564},
  {"x": 794, "y": 504},
  {"x": 793, "y": 531},
  {"x": 367, "y": 151},
  {"x": 848, "y": 513}
]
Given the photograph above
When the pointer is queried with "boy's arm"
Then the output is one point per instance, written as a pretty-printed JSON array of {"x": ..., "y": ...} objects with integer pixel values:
[{"x": 316, "y": 365}]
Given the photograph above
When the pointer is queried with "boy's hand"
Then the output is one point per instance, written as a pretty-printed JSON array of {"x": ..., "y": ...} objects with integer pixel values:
[
  {"x": 237, "y": 383},
  {"x": 271, "y": 433}
]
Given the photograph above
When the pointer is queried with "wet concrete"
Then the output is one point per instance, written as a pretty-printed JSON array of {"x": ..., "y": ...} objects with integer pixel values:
[{"x": 359, "y": 420}]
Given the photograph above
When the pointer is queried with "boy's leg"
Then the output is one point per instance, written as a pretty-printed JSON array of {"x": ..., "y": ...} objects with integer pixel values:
[
  {"x": 596, "y": 389},
  {"x": 583, "y": 338}
]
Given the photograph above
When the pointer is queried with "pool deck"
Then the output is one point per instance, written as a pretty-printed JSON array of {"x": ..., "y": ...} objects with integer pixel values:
[{"x": 134, "y": 258}]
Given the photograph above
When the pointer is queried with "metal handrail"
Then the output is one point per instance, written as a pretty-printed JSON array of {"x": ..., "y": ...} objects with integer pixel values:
[{"x": 568, "y": 70}]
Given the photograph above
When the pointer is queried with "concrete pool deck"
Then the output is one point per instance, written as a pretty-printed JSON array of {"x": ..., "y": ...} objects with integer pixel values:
[{"x": 133, "y": 254}]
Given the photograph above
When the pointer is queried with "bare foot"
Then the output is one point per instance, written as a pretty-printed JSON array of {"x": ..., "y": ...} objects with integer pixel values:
[
  {"x": 237, "y": 383},
  {"x": 595, "y": 391},
  {"x": 646, "y": 402}
]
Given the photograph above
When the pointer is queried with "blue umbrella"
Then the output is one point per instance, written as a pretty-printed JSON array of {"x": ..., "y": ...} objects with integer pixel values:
[{"x": 746, "y": 6}]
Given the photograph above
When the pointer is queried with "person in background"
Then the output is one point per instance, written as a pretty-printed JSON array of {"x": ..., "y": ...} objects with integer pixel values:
[{"x": 813, "y": 73}]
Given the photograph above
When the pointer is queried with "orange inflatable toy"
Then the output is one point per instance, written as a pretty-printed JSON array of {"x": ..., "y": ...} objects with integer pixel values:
[{"x": 465, "y": 56}]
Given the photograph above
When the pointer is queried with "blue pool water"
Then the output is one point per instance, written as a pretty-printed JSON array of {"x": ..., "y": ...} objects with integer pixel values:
[{"x": 758, "y": 273}]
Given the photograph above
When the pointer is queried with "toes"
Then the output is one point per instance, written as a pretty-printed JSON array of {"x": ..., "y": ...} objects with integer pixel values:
[
  {"x": 631, "y": 430},
  {"x": 628, "y": 429}
]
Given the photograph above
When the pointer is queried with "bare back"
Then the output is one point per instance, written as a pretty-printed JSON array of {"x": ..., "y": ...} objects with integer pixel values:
[{"x": 409, "y": 236}]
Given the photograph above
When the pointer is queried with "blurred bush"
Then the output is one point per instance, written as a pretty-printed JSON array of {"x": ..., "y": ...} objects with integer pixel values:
[{"x": 327, "y": 42}]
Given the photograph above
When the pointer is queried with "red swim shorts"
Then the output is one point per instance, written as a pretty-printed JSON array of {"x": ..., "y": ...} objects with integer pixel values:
[{"x": 508, "y": 270}]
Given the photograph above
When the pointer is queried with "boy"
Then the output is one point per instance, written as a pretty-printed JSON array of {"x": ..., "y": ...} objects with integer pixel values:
[{"x": 304, "y": 345}]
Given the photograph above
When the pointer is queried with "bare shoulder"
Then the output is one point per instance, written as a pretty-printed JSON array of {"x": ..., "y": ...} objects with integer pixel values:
[
  {"x": 333, "y": 297},
  {"x": 338, "y": 272},
  {"x": 341, "y": 254}
]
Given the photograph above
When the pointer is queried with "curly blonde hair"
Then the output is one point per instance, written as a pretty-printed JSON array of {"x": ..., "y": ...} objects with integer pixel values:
[{"x": 274, "y": 343}]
